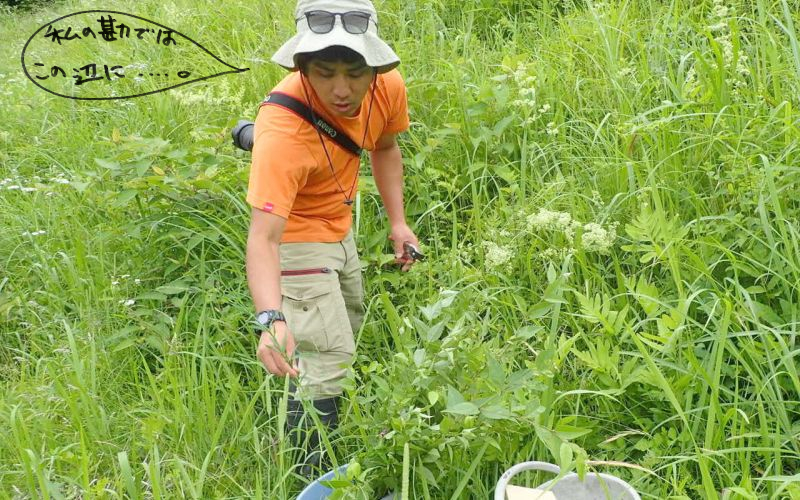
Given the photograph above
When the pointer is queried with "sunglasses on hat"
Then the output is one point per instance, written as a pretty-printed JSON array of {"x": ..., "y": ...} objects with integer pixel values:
[{"x": 320, "y": 21}]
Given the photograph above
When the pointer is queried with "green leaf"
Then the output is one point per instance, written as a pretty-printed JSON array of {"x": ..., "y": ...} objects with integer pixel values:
[
  {"x": 496, "y": 412},
  {"x": 336, "y": 483},
  {"x": 453, "y": 396},
  {"x": 539, "y": 310},
  {"x": 569, "y": 432},
  {"x": 353, "y": 470},
  {"x": 419, "y": 357},
  {"x": 107, "y": 164},
  {"x": 128, "y": 475},
  {"x": 173, "y": 288},
  {"x": 565, "y": 456},
  {"x": 529, "y": 331},
  {"x": 125, "y": 343},
  {"x": 124, "y": 197},
  {"x": 465, "y": 408}
]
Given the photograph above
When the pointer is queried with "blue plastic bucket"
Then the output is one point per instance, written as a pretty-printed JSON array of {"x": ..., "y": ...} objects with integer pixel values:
[{"x": 316, "y": 490}]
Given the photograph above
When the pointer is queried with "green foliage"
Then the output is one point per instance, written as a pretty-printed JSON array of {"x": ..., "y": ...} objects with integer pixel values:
[{"x": 608, "y": 193}]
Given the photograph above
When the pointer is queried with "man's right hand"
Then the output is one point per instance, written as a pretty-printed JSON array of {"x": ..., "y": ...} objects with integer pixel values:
[{"x": 277, "y": 352}]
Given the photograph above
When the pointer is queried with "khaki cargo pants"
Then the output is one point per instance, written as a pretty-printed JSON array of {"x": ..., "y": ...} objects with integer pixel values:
[{"x": 323, "y": 304}]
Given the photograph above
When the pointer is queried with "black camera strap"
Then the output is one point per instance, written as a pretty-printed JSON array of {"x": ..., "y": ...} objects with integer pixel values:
[{"x": 303, "y": 111}]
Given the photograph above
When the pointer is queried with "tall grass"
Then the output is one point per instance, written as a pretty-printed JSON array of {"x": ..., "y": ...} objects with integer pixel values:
[{"x": 608, "y": 195}]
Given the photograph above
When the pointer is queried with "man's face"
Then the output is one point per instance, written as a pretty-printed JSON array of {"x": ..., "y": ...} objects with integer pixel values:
[{"x": 340, "y": 86}]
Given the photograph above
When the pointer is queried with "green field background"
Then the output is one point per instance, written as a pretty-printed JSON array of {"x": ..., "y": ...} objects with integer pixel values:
[{"x": 609, "y": 197}]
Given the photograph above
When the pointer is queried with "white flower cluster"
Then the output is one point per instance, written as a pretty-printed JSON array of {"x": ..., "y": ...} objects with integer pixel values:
[
  {"x": 527, "y": 103},
  {"x": 626, "y": 71},
  {"x": 594, "y": 237},
  {"x": 15, "y": 187},
  {"x": 496, "y": 256},
  {"x": 690, "y": 81},
  {"x": 220, "y": 94},
  {"x": 546, "y": 219},
  {"x": 720, "y": 18},
  {"x": 720, "y": 27},
  {"x": 34, "y": 233}
]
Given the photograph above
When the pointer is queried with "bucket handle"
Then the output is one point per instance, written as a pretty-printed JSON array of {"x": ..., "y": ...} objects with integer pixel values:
[{"x": 500, "y": 490}]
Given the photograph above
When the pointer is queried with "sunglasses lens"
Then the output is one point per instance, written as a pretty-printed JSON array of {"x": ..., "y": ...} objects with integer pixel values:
[
  {"x": 355, "y": 22},
  {"x": 320, "y": 22}
]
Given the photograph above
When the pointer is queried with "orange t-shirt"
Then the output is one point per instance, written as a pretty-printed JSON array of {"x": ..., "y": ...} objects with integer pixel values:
[{"x": 290, "y": 175}]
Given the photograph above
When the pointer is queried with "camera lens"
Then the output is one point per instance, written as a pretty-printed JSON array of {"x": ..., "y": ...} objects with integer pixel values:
[{"x": 242, "y": 135}]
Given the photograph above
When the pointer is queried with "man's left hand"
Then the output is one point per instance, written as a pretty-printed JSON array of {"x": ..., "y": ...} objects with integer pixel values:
[{"x": 400, "y": 234}]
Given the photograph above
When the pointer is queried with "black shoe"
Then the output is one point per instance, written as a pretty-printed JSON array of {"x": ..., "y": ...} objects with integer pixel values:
[{"x": 303, "y": 434}]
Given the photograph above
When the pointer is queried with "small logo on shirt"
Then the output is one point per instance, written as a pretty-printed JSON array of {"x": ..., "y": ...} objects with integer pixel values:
[{"x": 268, "y": 207}]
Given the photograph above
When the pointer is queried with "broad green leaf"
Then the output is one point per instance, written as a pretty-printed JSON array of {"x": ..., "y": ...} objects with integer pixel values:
[
  {"x": 529, "y": 331},
  {"x": 496, "y": 412},
  {"x": 465, "y": 408}
]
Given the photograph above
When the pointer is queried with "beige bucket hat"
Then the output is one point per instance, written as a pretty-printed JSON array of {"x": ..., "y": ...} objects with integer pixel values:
[{"x": 374, "y": 50}]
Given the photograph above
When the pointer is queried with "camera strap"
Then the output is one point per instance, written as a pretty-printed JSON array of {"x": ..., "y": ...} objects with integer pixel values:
[{"x": 300, "y": 109}]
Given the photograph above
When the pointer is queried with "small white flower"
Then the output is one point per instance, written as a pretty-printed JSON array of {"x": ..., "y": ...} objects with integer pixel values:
[
  {"x": 128, "y": 302},
  {"x": 13, "y": 187},
  {"x": 137, "y": 281},
  {"x": 28, "y": 189},
  {"x": 114, "y": 283}
]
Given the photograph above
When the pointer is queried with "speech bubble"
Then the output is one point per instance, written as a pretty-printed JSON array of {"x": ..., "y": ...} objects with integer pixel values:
[{"x": 107, "y": 54}]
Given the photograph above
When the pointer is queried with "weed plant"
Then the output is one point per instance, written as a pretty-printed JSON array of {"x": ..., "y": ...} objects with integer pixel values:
[{"x": 608, "y": 193}]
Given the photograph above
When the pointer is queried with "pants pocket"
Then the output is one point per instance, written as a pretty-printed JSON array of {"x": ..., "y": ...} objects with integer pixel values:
[{"x": 316, "y": 314}]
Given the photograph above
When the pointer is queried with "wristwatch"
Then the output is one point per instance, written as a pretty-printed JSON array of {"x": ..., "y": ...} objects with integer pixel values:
[{"x": 266, "y": 318}]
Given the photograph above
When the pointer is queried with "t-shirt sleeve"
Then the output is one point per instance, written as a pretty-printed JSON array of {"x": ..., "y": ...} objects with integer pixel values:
[
  {"x": 398, "y": 101},
  {"x": 279, "y": 168}
]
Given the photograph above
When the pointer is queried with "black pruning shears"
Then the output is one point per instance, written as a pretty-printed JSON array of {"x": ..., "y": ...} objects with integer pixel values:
[{"x": 412, "y": 251}]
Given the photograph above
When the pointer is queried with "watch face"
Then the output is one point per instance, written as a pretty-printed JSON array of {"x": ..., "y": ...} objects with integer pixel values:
[
  {"x": 264, "y": 317},
  {"x": 269, "y": 316}
]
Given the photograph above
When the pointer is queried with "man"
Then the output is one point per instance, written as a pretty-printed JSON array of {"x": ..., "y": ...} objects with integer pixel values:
[{"x": 302, "y": 266}]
